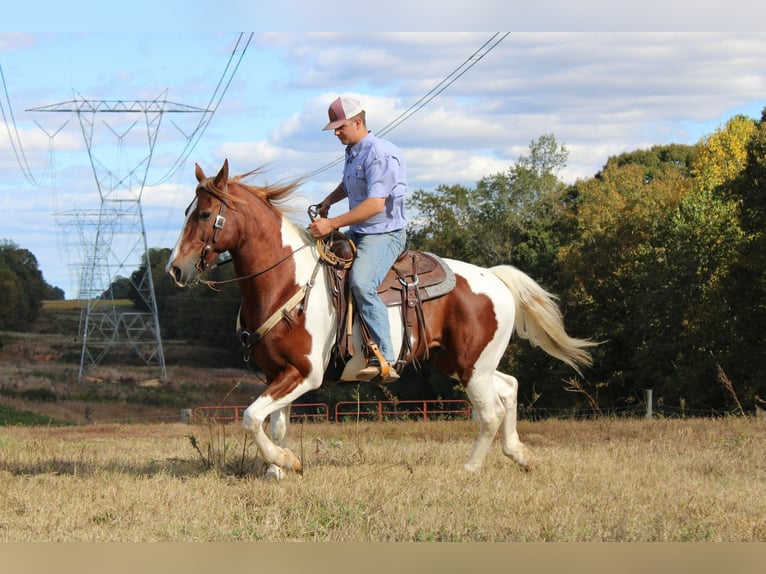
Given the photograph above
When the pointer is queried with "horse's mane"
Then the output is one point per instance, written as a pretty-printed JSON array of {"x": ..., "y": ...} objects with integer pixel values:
[{"x": 276, "y": 195}]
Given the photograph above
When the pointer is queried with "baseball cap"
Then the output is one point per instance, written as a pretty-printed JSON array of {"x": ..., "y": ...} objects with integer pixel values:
[{"x": 342, "y": 109}]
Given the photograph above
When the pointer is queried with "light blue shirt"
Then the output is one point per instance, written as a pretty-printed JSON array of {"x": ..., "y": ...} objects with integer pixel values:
[{"x": 375, "y": 168}]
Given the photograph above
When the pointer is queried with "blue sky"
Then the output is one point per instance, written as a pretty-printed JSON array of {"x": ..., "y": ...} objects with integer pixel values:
[{"x": 599, "y": 94}]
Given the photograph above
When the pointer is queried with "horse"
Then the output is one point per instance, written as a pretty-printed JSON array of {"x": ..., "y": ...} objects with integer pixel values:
[{"x": 467, "y": 329}]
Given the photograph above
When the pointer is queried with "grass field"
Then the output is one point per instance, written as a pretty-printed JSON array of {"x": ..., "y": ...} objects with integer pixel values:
[
  {"x": 121, "y": 468},
  {"x": 603, "y": 480}
]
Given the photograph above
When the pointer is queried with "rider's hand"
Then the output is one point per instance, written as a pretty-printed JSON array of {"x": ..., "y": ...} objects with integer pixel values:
[{"x": 321, "y": 227}]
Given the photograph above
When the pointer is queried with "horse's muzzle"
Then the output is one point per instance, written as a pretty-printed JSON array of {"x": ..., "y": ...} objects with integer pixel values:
[{"x": 182, "y": 276}]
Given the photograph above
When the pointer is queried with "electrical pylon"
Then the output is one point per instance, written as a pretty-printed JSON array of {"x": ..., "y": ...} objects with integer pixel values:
[{"x": 113, "y": 238}]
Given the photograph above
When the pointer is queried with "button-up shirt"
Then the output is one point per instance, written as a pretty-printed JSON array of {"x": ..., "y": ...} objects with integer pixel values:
[{"x": 375, "y": 168}]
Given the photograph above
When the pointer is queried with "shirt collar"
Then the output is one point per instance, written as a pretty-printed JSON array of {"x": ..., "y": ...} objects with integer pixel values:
[{"x": 353, "y": 150}]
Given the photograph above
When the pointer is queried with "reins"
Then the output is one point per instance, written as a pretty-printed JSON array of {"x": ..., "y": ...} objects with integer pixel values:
[
  {"x": 323, "y": 249},
  {"x": 212, "y": 284}
]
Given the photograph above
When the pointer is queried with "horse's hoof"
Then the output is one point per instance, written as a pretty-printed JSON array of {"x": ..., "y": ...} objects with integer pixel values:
[
  {"x": 524, "y": 459},
  {"x": 274, "y": 472},
  {"x": 297, "y": 466}
]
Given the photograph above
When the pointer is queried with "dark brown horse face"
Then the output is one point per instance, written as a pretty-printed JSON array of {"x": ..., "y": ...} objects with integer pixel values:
[{"x": 203, "y": 236}]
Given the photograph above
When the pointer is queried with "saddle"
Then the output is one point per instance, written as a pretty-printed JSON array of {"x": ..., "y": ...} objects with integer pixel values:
[{"x": 415, "y": 277}]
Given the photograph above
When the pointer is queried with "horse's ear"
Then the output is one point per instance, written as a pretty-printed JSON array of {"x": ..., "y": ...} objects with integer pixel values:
[
  {"x": 199, "y": 174},
  {"x": 223, "y": 175}
]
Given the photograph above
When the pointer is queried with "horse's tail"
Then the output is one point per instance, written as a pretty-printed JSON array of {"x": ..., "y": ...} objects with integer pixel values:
[{"x": 539, "y": 319}]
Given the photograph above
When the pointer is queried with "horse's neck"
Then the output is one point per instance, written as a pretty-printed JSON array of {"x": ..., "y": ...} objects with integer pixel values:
[{"x": 272, "y": 263}]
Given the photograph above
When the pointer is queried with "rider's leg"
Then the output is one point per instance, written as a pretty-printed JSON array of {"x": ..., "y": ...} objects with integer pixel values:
[{"x": 375, "y": 254}]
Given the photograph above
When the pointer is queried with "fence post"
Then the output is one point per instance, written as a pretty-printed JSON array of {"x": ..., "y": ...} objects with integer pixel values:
[
  {"x": 186, "y": 415},
  {"x": 648, "y": 396}
]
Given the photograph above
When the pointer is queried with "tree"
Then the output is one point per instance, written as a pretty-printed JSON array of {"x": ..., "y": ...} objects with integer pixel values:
[
  {"x": 742, "y": 293},
  {"x": 616, "y": 274},
  {"x": 722, "y": 155},
  {"x": 505, "y": 218},
  {"x": 23, "y": 287}
]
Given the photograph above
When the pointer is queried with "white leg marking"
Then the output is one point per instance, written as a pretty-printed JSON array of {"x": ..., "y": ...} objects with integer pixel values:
[
  {"x": 480, "y": 391},
  {"x": 507, "y": 388},
  {"x": 253, "y": 419}
]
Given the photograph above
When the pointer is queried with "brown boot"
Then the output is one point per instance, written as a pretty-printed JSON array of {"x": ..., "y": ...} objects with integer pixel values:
[{"x": 371, "y": 371}]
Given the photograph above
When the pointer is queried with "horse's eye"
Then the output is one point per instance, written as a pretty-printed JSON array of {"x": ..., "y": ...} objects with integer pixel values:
[{"x": 204, "y": 215}]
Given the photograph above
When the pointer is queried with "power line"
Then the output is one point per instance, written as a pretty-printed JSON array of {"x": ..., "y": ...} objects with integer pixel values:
[
  {"x": 223, "y": 85},
  {"x": 450, "y": 79},
  {"x": 237, "y": 54},
  {"x": 445, "y": 83},
  {"x": 18, "y": 149}
]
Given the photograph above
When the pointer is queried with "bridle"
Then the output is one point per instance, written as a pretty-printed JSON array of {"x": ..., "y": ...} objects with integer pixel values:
[
  {"x": 218, "y": 224},
  {"x": 247, "y": 337}
]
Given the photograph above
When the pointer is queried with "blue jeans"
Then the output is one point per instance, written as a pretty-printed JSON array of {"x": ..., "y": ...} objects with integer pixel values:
[{"x": 375, "y": 255}]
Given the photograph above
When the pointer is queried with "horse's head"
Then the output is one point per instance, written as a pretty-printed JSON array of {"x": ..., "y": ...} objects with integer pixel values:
[{"x": 204, "y": 235}]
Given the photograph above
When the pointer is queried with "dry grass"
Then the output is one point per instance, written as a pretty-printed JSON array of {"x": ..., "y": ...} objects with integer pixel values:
[{"x": 620, "y": 480}]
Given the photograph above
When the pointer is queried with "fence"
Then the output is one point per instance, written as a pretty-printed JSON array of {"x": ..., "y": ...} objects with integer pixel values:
[
  {"x": 346, "y": 410},
  {"x": 389, "y": 410},
  {"x": 299, "y": 412}
]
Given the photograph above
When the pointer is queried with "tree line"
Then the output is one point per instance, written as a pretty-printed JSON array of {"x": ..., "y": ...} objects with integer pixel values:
[
  {"x": 23, "y": 287},
  {"x": 660, "y": 256}
]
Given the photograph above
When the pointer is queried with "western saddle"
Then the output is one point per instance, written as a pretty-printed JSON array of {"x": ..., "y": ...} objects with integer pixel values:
[{"x": 415, "y": 277}]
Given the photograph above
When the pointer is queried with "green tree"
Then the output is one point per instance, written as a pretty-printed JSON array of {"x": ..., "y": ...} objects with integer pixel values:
[
  {"x": 741, "y": 299},
  {"x": 507, "y": 218},
  {"x": 614, "y": 272},
  {"x": 23, "y": 287}
]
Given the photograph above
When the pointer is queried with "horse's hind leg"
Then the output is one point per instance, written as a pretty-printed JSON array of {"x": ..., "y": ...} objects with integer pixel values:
[
  {"x": 507, "y": 388},
  {"x": 278, "y": 422},
  {"x": 483, "y": 397}
]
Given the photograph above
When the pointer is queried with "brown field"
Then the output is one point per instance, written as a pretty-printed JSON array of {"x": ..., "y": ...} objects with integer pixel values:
[
  {"x": 603, "y": 480},
  {"x": 127, "y": 470}
]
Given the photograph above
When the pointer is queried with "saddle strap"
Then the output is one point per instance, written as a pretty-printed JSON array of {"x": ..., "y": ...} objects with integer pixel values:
[
  {"x": 412, "y": 316},
  {"x": 341, "y": 302}
]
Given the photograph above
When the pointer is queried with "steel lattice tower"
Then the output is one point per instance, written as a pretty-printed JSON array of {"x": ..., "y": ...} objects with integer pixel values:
[{"x": 113, "y": 238}]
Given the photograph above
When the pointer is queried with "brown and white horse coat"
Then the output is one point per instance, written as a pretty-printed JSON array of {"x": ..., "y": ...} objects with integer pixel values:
[{"x": 468, "y": 329}]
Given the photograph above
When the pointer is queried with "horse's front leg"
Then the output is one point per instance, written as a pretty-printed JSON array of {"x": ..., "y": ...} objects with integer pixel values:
[
  {"x": 282, "y": 391},
  {"x": 278, "y": 423}
]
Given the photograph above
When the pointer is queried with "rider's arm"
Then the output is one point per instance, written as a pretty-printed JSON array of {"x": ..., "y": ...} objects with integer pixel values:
[{"x": 334, "y": 196}]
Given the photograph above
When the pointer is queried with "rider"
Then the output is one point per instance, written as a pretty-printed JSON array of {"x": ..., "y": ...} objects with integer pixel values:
[{"x": 375, "y": 183}]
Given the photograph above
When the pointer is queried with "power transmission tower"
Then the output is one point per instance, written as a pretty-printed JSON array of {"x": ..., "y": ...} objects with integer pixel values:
[{"x": 113, "y": 238}]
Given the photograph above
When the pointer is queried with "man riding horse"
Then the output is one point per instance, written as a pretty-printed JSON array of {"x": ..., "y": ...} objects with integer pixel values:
[{"x": 375, "y": 183}]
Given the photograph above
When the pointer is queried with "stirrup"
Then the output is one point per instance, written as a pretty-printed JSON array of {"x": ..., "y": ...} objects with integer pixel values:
[{"x": 377, "y": 366}]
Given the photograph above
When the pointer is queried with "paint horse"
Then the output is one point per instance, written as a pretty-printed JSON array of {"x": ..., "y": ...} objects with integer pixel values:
[{"x": 467, "y": 330}]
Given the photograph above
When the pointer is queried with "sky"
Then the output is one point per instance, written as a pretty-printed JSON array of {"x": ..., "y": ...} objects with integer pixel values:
[{"x": 466, "y": 105}]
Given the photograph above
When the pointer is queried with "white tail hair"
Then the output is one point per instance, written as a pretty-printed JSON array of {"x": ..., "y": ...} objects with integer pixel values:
[{"x": 539, "y": 319}]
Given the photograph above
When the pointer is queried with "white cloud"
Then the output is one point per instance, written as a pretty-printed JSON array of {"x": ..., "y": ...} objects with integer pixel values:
[{"x": 600, "y": 94}]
